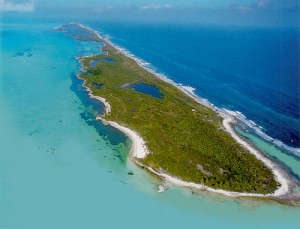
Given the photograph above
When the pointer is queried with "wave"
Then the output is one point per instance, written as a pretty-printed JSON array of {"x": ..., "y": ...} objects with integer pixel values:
[
  {"x": 259, "y": 131},
  {"x": 191, "y": 91}
]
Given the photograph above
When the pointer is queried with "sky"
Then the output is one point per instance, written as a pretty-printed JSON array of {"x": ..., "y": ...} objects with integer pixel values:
[{"x": 223, "y": 12}]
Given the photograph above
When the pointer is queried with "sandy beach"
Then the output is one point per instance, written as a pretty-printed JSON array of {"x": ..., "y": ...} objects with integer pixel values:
[
  {"x": 285, "y": 183},
  {"x": 139, "y": 149},
  {"x": 284, "y": 188}
]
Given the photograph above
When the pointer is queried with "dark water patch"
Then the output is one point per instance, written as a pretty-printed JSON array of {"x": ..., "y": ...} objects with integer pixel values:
[
  {"x": 84, "y": 72},
  {"x": 259, "y": 76},
  {"x": 89, "y": 48},
  {"x": 34, "y": 132},
  {"x": 19, "y": 53},
  {"x": 51, "y": 150},
  {"x": 79, "y": 32},
  {"x": 94, "y": 63},
  {"x": 94, "y": 105},
  {"x": 93, "y": 108},
  {"x": 26, "y": 52},
  {"x": 97, "y": 85},
  {"x": 145, "y": 89}
]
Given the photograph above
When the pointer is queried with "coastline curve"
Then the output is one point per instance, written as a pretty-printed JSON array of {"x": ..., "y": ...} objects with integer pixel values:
[{"x": 139, "y": 149}]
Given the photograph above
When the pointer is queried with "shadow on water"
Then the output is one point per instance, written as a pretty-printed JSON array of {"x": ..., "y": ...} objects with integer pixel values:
[
  {"x": 26, "y": 52},
  {"x": 93, "y": 108},
  {"x": 88, "y": 44}
]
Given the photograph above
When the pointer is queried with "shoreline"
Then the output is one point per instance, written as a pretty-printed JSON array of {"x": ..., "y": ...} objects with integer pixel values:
[
  {"x": 139, "y": 150},
  {"x": 189, "y": 91},
  {"x": 276, "y": 170}
]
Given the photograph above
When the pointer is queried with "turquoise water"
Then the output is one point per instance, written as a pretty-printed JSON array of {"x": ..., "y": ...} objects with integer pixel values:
[
  {"x": 233, "y": 67},
  {"x": 292, "y": 162},
  {"x": 58, "y": 169}
]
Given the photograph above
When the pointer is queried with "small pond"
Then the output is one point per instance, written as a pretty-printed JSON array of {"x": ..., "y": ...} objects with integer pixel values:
[
  {"x": 97, "y": 85},
  {"x": 94, "y": 63},
  {"x": 146, "y": 89}
]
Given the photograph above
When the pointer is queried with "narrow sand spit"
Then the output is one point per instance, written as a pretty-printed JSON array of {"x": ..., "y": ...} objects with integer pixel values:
[{"x": 284, "y": 183}]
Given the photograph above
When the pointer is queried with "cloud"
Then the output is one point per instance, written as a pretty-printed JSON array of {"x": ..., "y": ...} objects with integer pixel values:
[
  {"x": 241, "y": 8},
  {"x": 263, "y": 3},
  {"x": 17, "y": 6},
  {"x": 266, "y": 5},
  {"x": 155, "y": 7}
]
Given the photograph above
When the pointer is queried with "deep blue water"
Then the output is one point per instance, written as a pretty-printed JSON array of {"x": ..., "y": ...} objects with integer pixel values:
[
  {"x": 60, "y": 168},
  {"x": 146, "y": 89},
  {"x": 251, "y": 70}
]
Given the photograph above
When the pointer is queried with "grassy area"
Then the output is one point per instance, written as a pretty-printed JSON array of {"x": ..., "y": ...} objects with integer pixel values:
[{"x": 185, "y": 138}]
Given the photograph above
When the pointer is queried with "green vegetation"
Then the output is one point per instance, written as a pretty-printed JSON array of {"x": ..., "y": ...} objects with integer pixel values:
[{"x": 185, "y": 138}]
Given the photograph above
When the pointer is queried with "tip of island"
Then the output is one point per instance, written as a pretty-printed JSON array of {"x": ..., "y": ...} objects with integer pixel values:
[{"x": 175, "y": 136}]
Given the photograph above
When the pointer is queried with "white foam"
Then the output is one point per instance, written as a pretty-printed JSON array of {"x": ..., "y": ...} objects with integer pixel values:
[
  {"x": 259, "y": 131},
  {"x": 191, "y": 92},
  {"x": 139, "y": 149}
]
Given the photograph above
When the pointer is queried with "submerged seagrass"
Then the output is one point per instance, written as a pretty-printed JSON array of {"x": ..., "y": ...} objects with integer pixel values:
[{"x": 185, "y": 138}]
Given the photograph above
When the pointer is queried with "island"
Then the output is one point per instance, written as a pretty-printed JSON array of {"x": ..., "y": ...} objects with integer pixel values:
[{"x": 173, "y": 136}]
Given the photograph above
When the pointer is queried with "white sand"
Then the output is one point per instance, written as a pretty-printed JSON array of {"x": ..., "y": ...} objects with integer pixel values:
[
  {"x": 284, "y": 186},
  {"x": 160, "y": 189},
  {"x": 106, "y": 104},
  {"x": 139, "y": 149},
  {"x": 102, "y": 100},
  {"x": 284, "y": 183}
]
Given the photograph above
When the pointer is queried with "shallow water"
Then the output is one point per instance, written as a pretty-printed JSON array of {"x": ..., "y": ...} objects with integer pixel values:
[
  {"x": 61, "y": 169},
  {"x": 251, "y": 70},
  {"x": 292, "y": 162}
]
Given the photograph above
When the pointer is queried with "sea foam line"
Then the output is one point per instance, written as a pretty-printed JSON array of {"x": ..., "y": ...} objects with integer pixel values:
[
  {"x": 191, "y": 92},
  {"x": 139, "y": 149},
  {"x": 259, "y": 131}
]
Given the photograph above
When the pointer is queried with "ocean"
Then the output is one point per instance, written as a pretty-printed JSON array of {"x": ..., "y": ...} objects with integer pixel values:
[
  {"x": 254, "y": 71},
  {"x": 59, "y": 168}
]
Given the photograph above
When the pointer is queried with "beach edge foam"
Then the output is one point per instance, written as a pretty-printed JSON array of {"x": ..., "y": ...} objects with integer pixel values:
[{"x": 139, "y": 149}]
